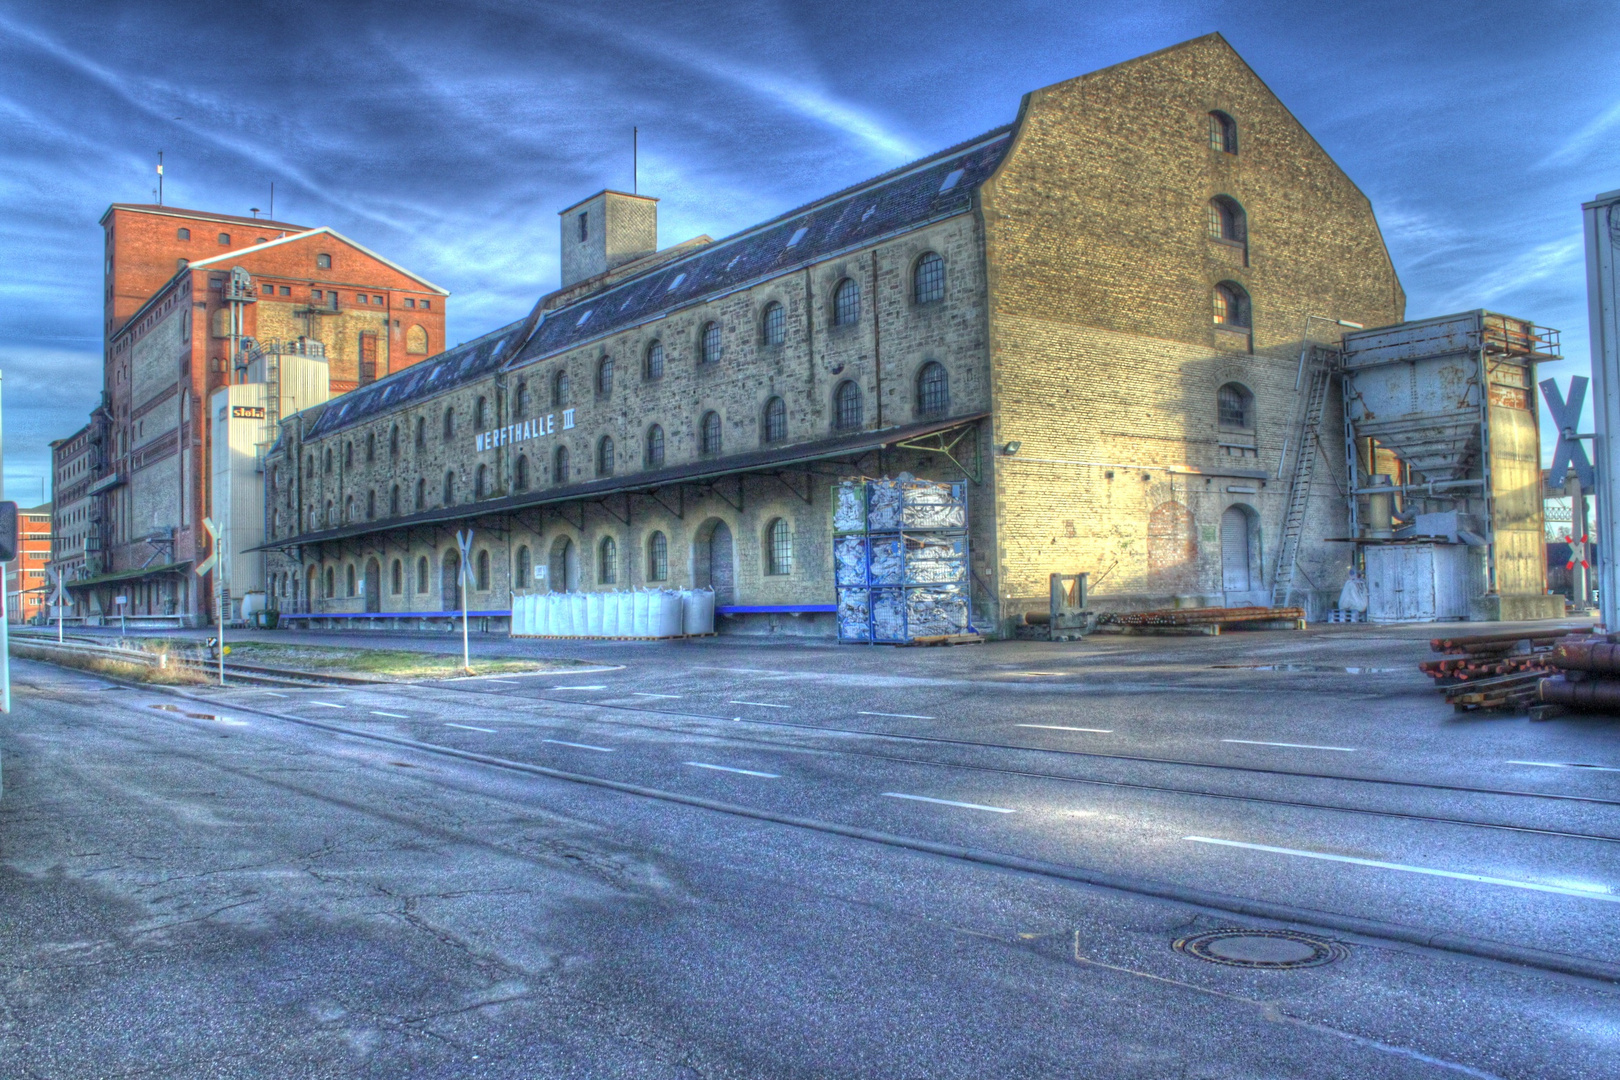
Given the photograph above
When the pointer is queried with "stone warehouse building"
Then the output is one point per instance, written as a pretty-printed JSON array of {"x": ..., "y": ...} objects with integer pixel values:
[
  {"x": 1095, "y": 315},
  {"x": 187, "y": 294}
]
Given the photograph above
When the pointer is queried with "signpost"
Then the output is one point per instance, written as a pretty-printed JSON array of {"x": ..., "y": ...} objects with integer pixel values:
[
  {"x": 121, "y": 601},
  {"x": 55, "y": 578},
  {"x": 464, "y": 541},
  {"x": 212, "y": 563},
  {"x": 10, "y": 548}
]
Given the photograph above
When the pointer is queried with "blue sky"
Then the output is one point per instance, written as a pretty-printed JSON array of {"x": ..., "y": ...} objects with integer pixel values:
[{"x": 447, "y": 135}]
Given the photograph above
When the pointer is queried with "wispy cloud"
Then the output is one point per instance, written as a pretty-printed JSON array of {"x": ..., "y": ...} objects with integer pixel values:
[
  {"x": 1519, "y": 272},
  {"x": 1578, "y": 145}
]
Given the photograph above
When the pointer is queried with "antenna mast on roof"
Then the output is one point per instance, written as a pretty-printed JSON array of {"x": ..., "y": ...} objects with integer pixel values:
[
  {"x": 160, "y": 178},
  {"x": 634, "y": 160},
  {"x": 272, "y": 213}
]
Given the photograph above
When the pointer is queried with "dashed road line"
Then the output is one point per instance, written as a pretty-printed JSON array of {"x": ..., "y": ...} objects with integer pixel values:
[
  {"x": 579, "y": 688},
  {"x": 948, "y": 802},
  {"x": 1566, "y": 765},
  {"x": 1293, "y": 745},
  {"x": 640, "y": 693},
  {"x": 469, "y": 727},
  {"x": 395, "y": 715},
  {"x": 761, "y": 704},
  {"x": 728, "y": 768},
  {"x": 1061, "y": 727},
  {"x": 896, "y": 715},
  {"x": 580, "y": 745},
  {"x": 328, "y": 705}
]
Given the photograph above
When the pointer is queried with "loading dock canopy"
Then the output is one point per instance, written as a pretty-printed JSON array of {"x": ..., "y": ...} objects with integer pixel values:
[
  {"x": 128, "y": 575},
  {"x": 768, "y": 460}
]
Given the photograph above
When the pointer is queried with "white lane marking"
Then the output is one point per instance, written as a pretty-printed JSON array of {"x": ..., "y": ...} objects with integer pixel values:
[
  {"x": 1566, "y": 765},
  {"x": 329, "y": 705},
  {"x": 896, "y": 715},
  {"x": 395, "y": 715},
  {"x": 1037, "y": 672},
  {"x": 949, "y": 802},
  {"x": 761, "y": 704},
  {"x": 728, "y": 768},
  {"x": 469, "y": 727},
  {"x": 579, "y": 688},
  {"x": 640, "y": 694},
  {"x": 504, "y": 682},
  {"x": 1060, "y": 727},
  {"x": 1293, "y": 745},
  {"x": 272, "y": 693},
  {"x": 580, "y": 745},
  {"x": 1594, "y": 893}
]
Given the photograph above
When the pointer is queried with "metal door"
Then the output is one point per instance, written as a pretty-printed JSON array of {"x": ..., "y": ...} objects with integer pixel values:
[
  {"x": 450, "y": 581},
  {"x": 373, "y": 586},
  {"x": 722, "y": 577},
  {"x": 563, "y": 575},
  {"x": 1235, "y": 550}
]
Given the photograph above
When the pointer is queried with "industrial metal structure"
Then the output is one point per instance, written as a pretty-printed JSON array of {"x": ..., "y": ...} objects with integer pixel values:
[{"x": 1602, "y": 228}]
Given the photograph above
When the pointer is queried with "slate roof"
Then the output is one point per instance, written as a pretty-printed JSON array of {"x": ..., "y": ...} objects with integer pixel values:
[{"x": 936, "y": 187}]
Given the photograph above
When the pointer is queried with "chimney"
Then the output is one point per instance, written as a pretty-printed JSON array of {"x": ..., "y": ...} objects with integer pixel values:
[{"x": 606, "y": 230}]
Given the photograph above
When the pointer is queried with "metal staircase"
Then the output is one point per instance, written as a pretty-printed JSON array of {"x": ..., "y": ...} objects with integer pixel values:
[{"x": 1316, "y": 374}]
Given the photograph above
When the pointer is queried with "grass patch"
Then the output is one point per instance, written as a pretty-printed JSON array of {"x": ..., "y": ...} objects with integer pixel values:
[
  {"x": 170, "y": 674},
  {"x": 401, "y": 664}
]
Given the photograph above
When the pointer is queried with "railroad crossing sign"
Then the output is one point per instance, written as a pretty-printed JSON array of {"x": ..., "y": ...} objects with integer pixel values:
[
  {"x": 211, "y": 563},
  {"x": 464, "y": 541},
  {"x": 1566, "y": 413},
  {"x": 213, "y": 559}
]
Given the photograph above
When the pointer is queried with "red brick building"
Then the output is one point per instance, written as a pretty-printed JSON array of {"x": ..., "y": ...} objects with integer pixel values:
[
  {"x": 186, "y": 293},
  {"x": 27, "y": 589}
]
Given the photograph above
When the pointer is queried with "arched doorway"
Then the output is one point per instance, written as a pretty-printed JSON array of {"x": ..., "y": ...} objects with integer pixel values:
[
  {"x": 563, "y": 573},
  {"x": 450, "y": 581},
  {"x": 714, "y": 562},
  {"x": 372, "y": 586},
  {"x": 1241, "y": 577},
  {"x": 312, "y": 587}
]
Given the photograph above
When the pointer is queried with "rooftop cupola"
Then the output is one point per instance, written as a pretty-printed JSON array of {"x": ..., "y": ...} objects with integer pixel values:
[{"x": 606, "y": 230}]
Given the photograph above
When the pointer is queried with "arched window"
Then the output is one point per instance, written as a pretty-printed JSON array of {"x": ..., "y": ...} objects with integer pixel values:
[
  {"x": 520, "y": 401},
  {"x": 449, "y": 423},
  {"x": 328, "y": 462},
  {"x": 933, "y": 390},
  {"x": 348, "y": 509},
  {"x": 1222, "y": 133},
  {"x": 655, "y": 447},
  {"x": 421, "y": 433},
  {"x": 311, "y": 473},
  {"x": 607, "y": 568},
  {"x": 182, "y": 234},
  {"x": 396, "y": 577},
  {"x": 348, "y": 455},
  {"x": 775, "y": 429},
  {"x": 773, "y": 327},
  {"x": 778, "y": 548},
  {"x": 422, "y": 580},
  {"x": 225, "y": 239},
  {"x": 522, "y": 571},
  {"x": 559, "y": 466},
  {"x": 393, "y": 441},
  {"x": 481, "y": 571},
  {"x": 657, "y": 557},
  {"x": 1227, "y": 221},
  {"x": 329, "y": 520},
  {"x": 416, "y": 341},
  {"x": 520, "y": 473},
  {"x": 1231, "y": 306},
  {"x": 604, "y": 377},
  {"x": 479, "y": 476},
  {"x": 559, "y": 388},
  {"x": 371, "y": 504},
  {"x": 847, "y": 303},
  {"x": 421, "y": 493},
  {"x": 348, "y": 580},
  {"x": 709, "y": 434},
  {"x": 371, "y": 447},
  {"x": 847, "y": 412},
  {"x": 604, "y": 456},
  {"x": 1234, "y": 406},
  {"x": 331, "y": 583},
  {"x": 481, "y": 414},
  {"x": 928, "y": 279},
  {"x": 449, "y": 488},
  {"x": 709, "y": 344},
  {"x": 393, "y": 501},
  {"x": 323, "y": 261},
  {"x": 653, "y": 364}
]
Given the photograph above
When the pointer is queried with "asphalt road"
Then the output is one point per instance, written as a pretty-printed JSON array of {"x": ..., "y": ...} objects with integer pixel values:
[{"x": 275, "y": 883}]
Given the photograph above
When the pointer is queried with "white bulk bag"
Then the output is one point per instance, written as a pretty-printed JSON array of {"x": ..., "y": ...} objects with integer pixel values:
[
  {"x": 534, "y": 610},
  {"x": 546, "y": 620},
  {"x": 665, "y": 616},
  {"x": 640, "y": 614},
  {"x": 562, "y": 616},
  {"x": 697, "y": 611},
  {"x": 576, "y": 612},
  {"x": 610, "y": 614},
  {"x": 593, "y": 614}
]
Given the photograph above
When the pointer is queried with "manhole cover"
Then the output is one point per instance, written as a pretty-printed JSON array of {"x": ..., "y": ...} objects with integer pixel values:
[{"x": 1270, "y": 950}]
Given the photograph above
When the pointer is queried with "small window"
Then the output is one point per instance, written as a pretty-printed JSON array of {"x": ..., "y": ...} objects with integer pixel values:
[
  {"x": 225, "y": 239},
  {"x": 481, "y": 414},
  {"x": 520, "y": 473},
  {"x": 654, "y": 365},
  {"x": 1222, "y": 133},
  {"x": 267, "y": 290},
  {"x": 847, "y": 303},
  {"x": 449, "y": 423},
  {"x": 655, "y": 447},
  {"x": 331, "y": 583},
  {"x": 319, "y": 296},
  {"x": 286, "y": 290},
  {"x": 1231, "y": 306},
  {"x": 371, "y": 446},
  {"x": 422, "y": 574},
  {"x": 709, "y": 434},
  {"x": 657, "y": 557},
  {"x": 559, "y": 388},
  {"x": 774, "y": 325},
  {"x": 1227, "y": 221},
  {"x": 559, "y": 466},
  {"x": 1235, "y": 406},
  {"x": 847, "y": 411},
  {"x": 928, "y": 279},
  {"x": 371, "y": 504},
  {"x": 421, "y": 493},
  {"x": 328, "y": 459},
  {"x": 933, "y": 390},
  {"x": 449, "y": 488},
  {"x": 607, "y": 562},
  {"x": 778, "y": 548},
  {"x": 348, "y": 580},
  {"x": 604, "y": 456},
  {"x": 710, "y": 343},
  {"x": 410, "y": 303},
  {"x": 480, "y": 478},
  {"x": 520, "y": 401},
  {"x": 604, "y": 377},
  {"x": 522, "y": 569},
  {"x": 376, "y": 300},
  {"x": 396, "y": 577},
  {"x": 584, "y": 226},
  {"x": 182, "y": 234},
  {"x": 363, "y": 298},
  {"x": 425, "y": 305},
  {"x": 775, "y": 420},
  {"x": 393, "y": 501},
  {"x": 393, "y": 441},
  {"x": 323, "y": 262},
  {"x": 481, "y": 571}
]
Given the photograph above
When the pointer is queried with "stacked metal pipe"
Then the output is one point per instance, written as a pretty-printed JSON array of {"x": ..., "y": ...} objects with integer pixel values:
[
  {"x": 1589, "y": 675},
  {"x": 1492, "y": 671}
]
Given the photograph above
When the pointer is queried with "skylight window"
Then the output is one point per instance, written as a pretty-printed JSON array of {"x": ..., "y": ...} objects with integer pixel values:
[
  {"x": 951, "y": 180},
  {"x": 870, "y": 210},
  {"x": 676, "y": 283},
  {"x": 797, "y": 236},
  {"x": 585, "y": 316}
]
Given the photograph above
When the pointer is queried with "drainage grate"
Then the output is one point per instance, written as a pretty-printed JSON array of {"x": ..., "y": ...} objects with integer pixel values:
[{"x": 1267, "y": 950}]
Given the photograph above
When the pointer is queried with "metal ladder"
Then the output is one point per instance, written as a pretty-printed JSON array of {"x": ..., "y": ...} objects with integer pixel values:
[{"x": 1316, "y": 373}]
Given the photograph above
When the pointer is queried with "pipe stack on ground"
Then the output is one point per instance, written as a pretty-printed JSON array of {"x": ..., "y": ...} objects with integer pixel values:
[
  {"x": 1492, "y": 671},
  {"x": 1589, "y": 675}
]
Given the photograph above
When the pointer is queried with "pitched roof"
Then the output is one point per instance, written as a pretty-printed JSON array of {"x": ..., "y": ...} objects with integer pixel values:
[
  {"x": 203, "y": 215},
  {"x": 443, "y": 372},
  {"x": 936, "y": 187},
  {"x": 232, "y": 256}
]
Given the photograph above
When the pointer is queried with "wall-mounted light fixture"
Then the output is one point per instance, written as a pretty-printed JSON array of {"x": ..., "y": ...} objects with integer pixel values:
[{"x": 1011, "y": 448}]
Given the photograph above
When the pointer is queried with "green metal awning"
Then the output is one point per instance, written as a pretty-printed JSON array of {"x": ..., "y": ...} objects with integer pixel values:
[{"x": 129, "y": 575}]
